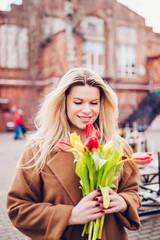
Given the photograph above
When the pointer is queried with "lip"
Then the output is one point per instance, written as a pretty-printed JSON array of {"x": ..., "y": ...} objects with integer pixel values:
[{"x": 84, "y": 118}]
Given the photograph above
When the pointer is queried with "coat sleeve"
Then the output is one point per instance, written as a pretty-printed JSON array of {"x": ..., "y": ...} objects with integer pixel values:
[
  {"x": 34, "y": 218},
  {"x": 128, "y": 189}
]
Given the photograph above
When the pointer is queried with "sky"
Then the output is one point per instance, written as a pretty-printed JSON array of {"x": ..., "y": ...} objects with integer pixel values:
[
  {"x": 5, "y": 4},
  {"x": 149, "y": 9}
]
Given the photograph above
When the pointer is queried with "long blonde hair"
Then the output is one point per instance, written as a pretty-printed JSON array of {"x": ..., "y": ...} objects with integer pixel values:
[{"x": 52, "y": 123}]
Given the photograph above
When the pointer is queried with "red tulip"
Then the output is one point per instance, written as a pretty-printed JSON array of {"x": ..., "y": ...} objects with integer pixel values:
[
  {"x": 92, "y": 143},
  {"x": 90, "y": 131},
  {"x": 124, "y": 157},
  {"x": 141, "y": 158},
  {"x": 63, "y": 146}
]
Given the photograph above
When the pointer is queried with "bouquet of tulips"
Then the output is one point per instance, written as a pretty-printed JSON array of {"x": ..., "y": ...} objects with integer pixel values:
[{"x": 96, "y": 167}]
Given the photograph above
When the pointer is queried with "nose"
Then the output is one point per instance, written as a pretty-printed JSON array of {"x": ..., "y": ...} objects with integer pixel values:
[{"x": 86, "y": 108}]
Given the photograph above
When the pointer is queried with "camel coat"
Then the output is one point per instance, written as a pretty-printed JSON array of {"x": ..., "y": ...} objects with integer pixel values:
[{"x": 40, "y": 205}]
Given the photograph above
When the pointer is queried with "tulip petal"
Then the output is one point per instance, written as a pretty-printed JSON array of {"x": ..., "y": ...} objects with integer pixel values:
[
  {"x": 150, "y": 154},
  {"x": 74, "y": 138},
  {"x": 79, "y": 146},
  {"x": 141, "y": 158},
  {"x": 63, "y": 146},
  {"x": 90, "y": 131},
  {"x": 107, "y": 145},
  {"x": 92, "y": 144}
]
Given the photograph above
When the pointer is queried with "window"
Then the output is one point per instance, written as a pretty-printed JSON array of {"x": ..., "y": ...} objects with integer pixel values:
[
  {"x": 126, "y": 38},
  {"x": 91, "y": 27},
  {"x": 126, "y": 61},
  {"x": 93, "y": 56},
  {"x": 13, "y": 47}
]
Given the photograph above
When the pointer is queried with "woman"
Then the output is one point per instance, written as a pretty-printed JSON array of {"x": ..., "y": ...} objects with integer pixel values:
[{"x": 44, "y": 201}]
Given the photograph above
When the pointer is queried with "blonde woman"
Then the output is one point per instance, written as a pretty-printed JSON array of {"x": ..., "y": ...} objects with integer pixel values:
[{"x": 44, "y": 201}]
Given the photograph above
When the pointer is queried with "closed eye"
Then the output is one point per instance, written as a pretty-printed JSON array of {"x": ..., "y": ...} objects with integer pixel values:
[
  {"x": 94, "y": 103},
  {"x": 77, "y": 102}
]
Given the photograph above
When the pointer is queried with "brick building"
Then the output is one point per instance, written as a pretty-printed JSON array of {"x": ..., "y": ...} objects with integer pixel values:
[{"x": 41, "y": 40}]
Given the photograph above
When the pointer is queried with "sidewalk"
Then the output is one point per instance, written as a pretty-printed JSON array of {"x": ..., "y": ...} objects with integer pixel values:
[{"x": 10, "y": 151}]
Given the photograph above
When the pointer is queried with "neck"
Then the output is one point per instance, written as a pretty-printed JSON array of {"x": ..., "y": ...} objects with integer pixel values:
[{"x": 80, "y": 132}]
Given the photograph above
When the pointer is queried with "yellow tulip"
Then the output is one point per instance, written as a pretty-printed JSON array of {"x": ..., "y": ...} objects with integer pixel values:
[
  {"x": 74, "y": 138},
  {"x": 107, "y": 145},
  {"x": 79, "y": 146}
]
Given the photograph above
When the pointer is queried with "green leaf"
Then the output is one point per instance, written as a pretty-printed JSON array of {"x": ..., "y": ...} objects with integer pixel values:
[
  {"x": 107, "y": 153},
  {"x": 105, "y": 194},
  {"x": 100, "y": 176},
  {"x": 113, "y": 187},
  {"x": 120, "y": 146},
  {"x": 95, "y": 157},
  {"x": 76, "y": 155},
  {"x": 100, "y": 151},
  {"x": 82, "y": 172},
  {"x": 115, "y": 178}
]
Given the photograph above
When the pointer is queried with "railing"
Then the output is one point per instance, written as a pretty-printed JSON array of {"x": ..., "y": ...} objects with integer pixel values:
[{"x": 150, "y": 190}]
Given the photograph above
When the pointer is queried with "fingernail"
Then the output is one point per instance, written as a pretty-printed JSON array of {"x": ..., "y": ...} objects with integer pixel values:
[
  {"x": 97, "y": 205},
  {"x": 95, "y": 199}
]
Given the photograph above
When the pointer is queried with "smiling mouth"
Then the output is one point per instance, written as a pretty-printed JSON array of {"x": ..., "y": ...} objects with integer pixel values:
[{"x": 85, "y": 118}]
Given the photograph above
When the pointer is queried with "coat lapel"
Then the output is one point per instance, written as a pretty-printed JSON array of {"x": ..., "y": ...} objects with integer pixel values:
[{"x": 62, "y": 164}]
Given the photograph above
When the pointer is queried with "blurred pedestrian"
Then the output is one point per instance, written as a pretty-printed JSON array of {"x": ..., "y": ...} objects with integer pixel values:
[
  {"x": 24, "y": 129},
  {"x": 18, "y": 122}
]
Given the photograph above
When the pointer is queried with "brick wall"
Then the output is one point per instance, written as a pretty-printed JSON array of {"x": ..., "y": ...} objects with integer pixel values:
[
  {"x": 24, "y": 98},
  {"x": 47, "y": 54},
  {"x": 53, "y": 57}
]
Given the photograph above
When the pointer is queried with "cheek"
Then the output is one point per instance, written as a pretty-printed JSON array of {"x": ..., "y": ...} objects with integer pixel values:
[
  {"x": 68, "y": 111},
  {"x": 71, "y": 109},
  {"x": 97, "y": 110}
]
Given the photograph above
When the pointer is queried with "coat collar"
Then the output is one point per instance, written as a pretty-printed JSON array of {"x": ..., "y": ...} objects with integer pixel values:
[{"x": 62, "y": 164}]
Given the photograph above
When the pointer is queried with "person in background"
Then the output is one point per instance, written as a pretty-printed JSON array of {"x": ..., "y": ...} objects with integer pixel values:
[
  {"x": 24, "y": 129},
  {"x": 18, "y": 122},
  {"x": 44, "y": 200}
]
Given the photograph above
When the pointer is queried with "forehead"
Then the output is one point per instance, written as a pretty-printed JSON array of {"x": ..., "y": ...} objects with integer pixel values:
[{"x": 84, "y": 91}]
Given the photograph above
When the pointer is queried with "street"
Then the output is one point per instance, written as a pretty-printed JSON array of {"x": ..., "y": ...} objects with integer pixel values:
[{"x": 10, "y": 151}]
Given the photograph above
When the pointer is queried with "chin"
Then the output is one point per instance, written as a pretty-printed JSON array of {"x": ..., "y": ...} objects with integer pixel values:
[{"x": 81, "y": 126}]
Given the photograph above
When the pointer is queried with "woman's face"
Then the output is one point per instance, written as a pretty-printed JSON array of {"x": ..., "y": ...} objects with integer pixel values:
[{"x": 83, "y": 105}]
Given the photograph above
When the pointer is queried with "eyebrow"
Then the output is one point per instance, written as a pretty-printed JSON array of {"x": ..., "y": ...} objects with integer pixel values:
[{"x": 97, "y": 99}]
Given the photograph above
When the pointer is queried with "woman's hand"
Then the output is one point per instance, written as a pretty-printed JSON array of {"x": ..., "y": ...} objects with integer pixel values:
[
  {"x": 117, "y": 203},
  {"x": 89, "y": 208}
]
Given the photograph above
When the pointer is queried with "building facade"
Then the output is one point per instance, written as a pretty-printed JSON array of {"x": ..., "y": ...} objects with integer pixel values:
[{"x": 41, "y": 40}]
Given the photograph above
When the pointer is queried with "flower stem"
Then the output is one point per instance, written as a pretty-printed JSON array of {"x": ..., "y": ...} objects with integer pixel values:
[
  {"x": 84, "y": 230},
  {"x": 126, "y": 160},
  {"x": 90, "y": 229},
  {"x": 96, "y": 229},
  {"x": 101, "y": 227}
]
